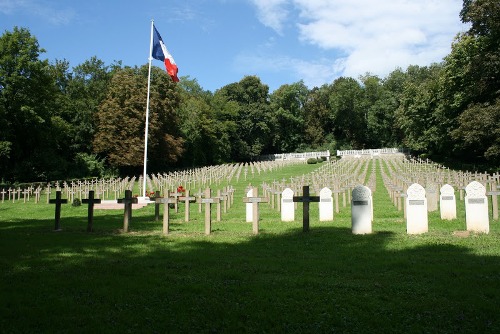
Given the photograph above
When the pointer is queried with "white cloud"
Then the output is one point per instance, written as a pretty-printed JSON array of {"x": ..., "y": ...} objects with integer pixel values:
[
  {"x": 367, "y": 35},
  {"x": 43, "y": 10},
  {"x": 272, "y": 13}
]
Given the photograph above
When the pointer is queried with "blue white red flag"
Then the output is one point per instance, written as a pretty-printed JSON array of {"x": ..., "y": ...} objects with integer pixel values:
[{"x": 160, "y": 52}]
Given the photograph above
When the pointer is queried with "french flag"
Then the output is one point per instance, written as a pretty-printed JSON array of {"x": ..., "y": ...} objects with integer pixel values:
[{"x": 160, "y": 52}]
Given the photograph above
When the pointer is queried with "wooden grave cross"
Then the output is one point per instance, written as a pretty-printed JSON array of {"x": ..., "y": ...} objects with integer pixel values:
[
  {"x": 255, "y": 200},
  {"x": 199, "y": 196},
  {"x": 127, "y": 212},
  {"x": 305, "y": 199},
  {"x": 3, "y": 194},
  {"x": 207, "y": 200},
  {"x": 176, "y": 195},
  {"x": 58, "y": 201},
  {"x": 90, "y": 212},
  {"x": 186, "y": 199},
  {"x": 166, "y": 201}
]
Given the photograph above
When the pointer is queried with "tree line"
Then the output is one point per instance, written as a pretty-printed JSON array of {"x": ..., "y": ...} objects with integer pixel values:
[{"x": 58, "y": 122}]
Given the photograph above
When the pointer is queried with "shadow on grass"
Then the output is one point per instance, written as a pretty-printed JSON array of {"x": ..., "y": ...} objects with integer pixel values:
[{"x": 327, "y": 280}]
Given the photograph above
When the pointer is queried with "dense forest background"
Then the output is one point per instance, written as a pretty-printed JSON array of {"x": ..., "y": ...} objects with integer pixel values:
[{"x": 59, "y": 123}]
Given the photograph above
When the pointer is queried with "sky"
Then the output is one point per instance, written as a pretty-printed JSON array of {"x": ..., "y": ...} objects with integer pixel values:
[{"x": 218, "y": 42}]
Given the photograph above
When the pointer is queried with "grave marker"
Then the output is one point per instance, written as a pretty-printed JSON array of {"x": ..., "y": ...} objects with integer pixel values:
[
  {"x": 361, "y": 210},
  {"x": 416, "y": 210},
  {"x": 207, "y": 200},
  {"x": 187, "y": 199},
  {"x": 305, "y": 199},
  {"x": 166, "y": 218},
  {"x": 254, "y": 201},
  {"x": 476, "y": 208},
  {"x": 127, "y": 212},
  {"x": 447, "y": 203},
  {"x": 58, "y": 201},
  {"x": 287, "y": 206},
  {"x": 90, "y": 212},
  {"x": 325, "y": 205},
  {"x": 249, "y": 206}
]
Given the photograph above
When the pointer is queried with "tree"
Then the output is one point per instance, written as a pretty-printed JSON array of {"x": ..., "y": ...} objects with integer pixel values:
[
  {"x": 478, "y": 133},
  {"x": 287, "y": 106},
  {"x": 27, "y": 98},
  {"x": 420, "y": 115},
  {"x": 121, "y": 120},
  {"x": 318, "y": 127},
  {"x": 243, "y": 108},
  {"x": 198, "y": 125},
  {"x": 346, "y": 112}
]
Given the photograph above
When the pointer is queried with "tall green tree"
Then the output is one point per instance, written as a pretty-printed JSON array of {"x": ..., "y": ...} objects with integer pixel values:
[
  {"x": 28, "y": 149},
  {"x": 471, "y": 82},
  {"x": 376, "y": 103},
  {"x": 287, "y": 106},
  {"x": 318, "y": 125},
  {"x": 419, "y": 115},
  {"x": 243, "y": 107},
  {"x": 347, "y": 113},
  {"x": 122, "y": 115},
  {"x": 198, "y": 125}
]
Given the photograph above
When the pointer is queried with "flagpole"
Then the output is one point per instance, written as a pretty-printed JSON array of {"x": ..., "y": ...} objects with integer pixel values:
[{"x": 145, "y": 175}]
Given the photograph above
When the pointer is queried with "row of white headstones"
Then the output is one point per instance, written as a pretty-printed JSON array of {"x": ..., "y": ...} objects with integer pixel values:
[{"x": 476, "y": 208}]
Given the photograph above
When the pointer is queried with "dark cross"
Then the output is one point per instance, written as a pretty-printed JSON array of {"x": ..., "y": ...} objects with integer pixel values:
[
  {"x": 255, "y": 200},
  {"x": 91, "y": 201},
  {"x": 186, "y": 200},
  {"x": 305, "y": 199},
  {"x": 127, "y": 212},
  {"x": 207, "y": 200},
  {"x": 58, "y": 201},
  {"x": 166, "y": 201}
]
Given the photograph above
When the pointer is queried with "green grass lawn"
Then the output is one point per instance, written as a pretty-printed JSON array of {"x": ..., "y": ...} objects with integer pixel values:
[{"x": 280, "y": 281}]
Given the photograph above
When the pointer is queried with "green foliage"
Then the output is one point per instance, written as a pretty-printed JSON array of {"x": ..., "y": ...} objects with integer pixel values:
[
  {"x": 121, "y": 120},
  {"x": 312, "y": 161},
  {"x": 54, "y": 119}
]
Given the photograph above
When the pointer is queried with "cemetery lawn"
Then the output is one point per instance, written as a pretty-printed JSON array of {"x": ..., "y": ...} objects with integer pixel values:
[{"x": 280, "y": 281}]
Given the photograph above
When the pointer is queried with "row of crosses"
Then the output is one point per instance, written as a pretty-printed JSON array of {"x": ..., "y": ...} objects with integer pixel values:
[{"x": 128, "y": 200}]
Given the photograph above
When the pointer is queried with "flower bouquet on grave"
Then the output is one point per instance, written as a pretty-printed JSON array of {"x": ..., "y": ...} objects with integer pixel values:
[
  {"x": 151, "y": 195},
  {"x": 181, "y": 190}
]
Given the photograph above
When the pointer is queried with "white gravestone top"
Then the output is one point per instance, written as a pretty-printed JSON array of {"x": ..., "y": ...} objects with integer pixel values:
[
  {"x": 476, "y": 208},
  {"x": 325, "y": 205},
  {"x": 416, "y": 208},
  {"x": 361, "y": 210},
  {"x": 287, "y": 206},
  {"x": 447, "y": 203}
]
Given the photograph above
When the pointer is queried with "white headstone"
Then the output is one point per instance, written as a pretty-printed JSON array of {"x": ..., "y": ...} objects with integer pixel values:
[
  {"x": 287, "y": 206},
  {"x": 361, "y": 210},
  {"x": 447, "y": 203},
  {"x": 476, "y": 208},
  {"x": 249, "y": 208},
  {"x": 416, "y": 210},
  {"x": 325, "y": 205}
]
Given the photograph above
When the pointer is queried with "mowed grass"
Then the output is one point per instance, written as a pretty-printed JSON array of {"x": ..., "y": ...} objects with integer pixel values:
[{"x": 280, "y": 281}]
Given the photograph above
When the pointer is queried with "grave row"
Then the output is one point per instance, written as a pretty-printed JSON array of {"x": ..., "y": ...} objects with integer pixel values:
[{"x": 110, "y": 189}]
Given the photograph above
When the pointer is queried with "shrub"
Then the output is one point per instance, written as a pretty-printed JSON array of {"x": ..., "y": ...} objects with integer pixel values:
[{"x": 312, "y": 161}]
